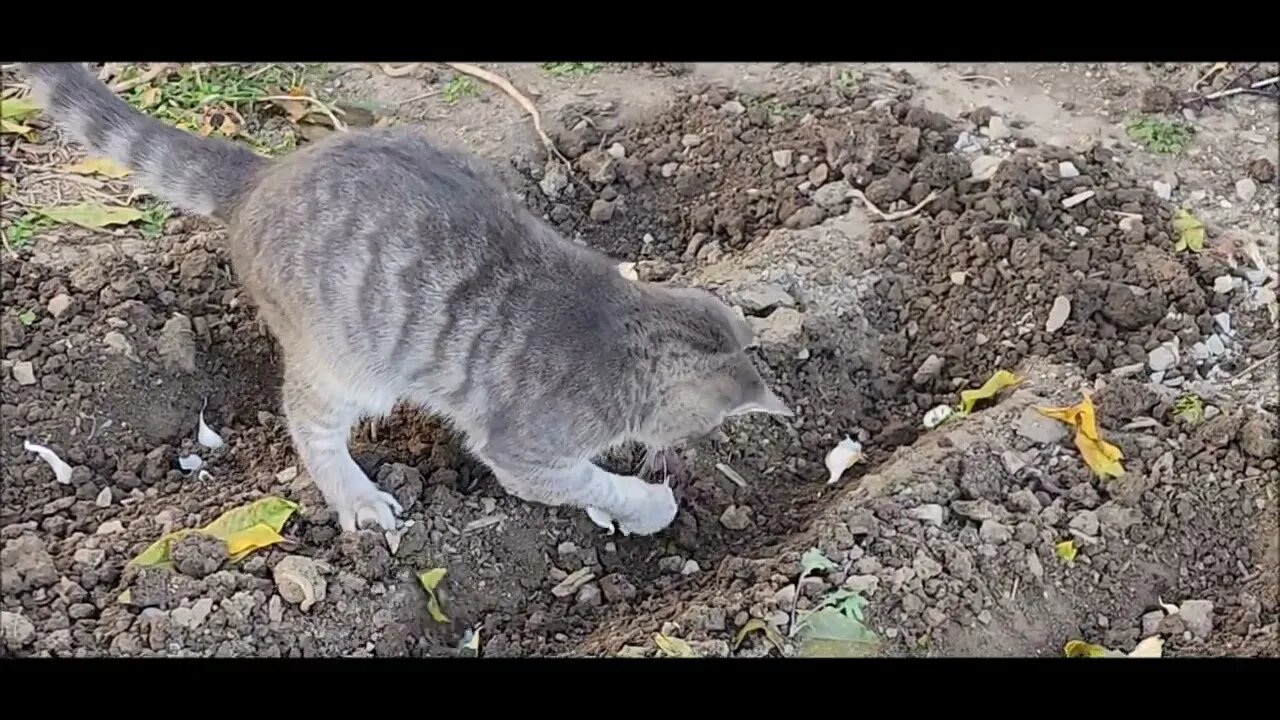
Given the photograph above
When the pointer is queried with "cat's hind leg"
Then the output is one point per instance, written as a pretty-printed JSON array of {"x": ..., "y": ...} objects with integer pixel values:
[{"x": 320, "y": 418}]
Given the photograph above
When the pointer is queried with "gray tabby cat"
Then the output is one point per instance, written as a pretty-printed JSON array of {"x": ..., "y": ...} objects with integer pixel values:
[{"x": 391, "y": 269}]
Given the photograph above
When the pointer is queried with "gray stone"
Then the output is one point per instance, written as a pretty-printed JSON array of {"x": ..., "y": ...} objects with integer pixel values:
[
  {"x": 736, "y": 517},
  {"x": 1034, "y": 565},
  {"x": 1199, "y": 352},
  {"x": 118, "y": 344},
  {"x": 26, "y": 565},
  {"x": 1038, "y": 428},
  {"x": 782, "y": 327},
  {"x": 930, "y": 513},
  {"x": 1214, "y": 345},
  {"x": 59, "y": 305},
  {"x": 977, "y": 510},
  {"x": 1161, "y": 359},
  {"x": 1151, "y": 623},
  {"x": 1224, "y": 284},
  {"x": 89, "y": 557},
  {"x": 617, "y": 151},
  {"x": 984, "y": 167},
  {"x": 928, "y": 370},
  {"x": 996, "y": 128},
  {"x": 864, "y": 584},
  {"x": 177, "y": 344},
  {"x": 1115, "y": 518},
  {"x": 691, "y": 567},
  {"x": 1198, "y": 617},
  {"x": 110, "y": 527},
  {"x": 16, "y": 629},
  {"x": 601, "y": 211},
  {"x": 933, "y": 617},
  {"x": 617, "y": 588},
  {"x": 733, "y": 107},
  {"x": 554, "y": 181},
  {"x": 1067, "y": 170},
  {"x": 763, "y": 297},
  {"x": 1058, "y": 314},
  {"x": 832, "y": 195},
  {"x": 24, "y": 372},
  {"x": 1086, "y": 522},
  {"x": 782, "y": 158},
  {"x": 691, "y": 140},
  {"x": 925, "y": 566},
  {"x": 1163, "y": 190},
  {"x": 1013, "y": 462},
  {"x": 1246, "y": 188},
  {"x": 995, "y": 532},
  {"x": 103, "y": 500},
  {"x": 1223, "y": 322}
]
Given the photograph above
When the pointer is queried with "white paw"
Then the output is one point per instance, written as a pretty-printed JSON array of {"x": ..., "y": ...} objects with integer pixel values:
[
  {"x": 601, "y": 518},
  {"x": 366, "y": 506},
  {"x": 652, "y": 512}
]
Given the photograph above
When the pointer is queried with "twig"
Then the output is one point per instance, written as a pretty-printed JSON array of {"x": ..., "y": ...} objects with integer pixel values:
[
  {"x": 890, "y": 217},
  {"x": 1237, "y": 90},
  {"x": 423, "y": 96},
  {"x": 4, "y": 237},
  {"x": 1240, "y": 376},
  {"x": 337, "y": 124},
  {"x": 502, "y": 84},
  {"x": 1217, "y": 68},
  {"x": 396, "y": 72},
  {"x": 1121, "y": 213},
  {"x": 970, "y": 78},
  {"x": 151, "y": 74}
]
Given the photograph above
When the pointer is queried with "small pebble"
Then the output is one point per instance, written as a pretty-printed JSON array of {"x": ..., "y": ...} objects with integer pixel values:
[
  {"x": 1163, "y": 189},
  {"x": 104, "y": 498},
  {"x": 1246, "y": 188},
  {"x": 1067, "y": 170},
  {"x": 24, "y": 373}
]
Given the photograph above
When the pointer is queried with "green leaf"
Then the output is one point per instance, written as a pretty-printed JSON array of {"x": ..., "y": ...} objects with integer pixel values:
[
  {"x": 848, "y": 602},
  {"x": 92, "y": 215},
  {"x": 1190, "y": 231},
  {"x": 430, "y": 579},
  {"x": 814, "y": 559},
  {"x": 830, "y": 633},
  {"x": 17, "y": 109},
  {"x": 27, "y": 318},
  {"x": 1066, "y": 550}
]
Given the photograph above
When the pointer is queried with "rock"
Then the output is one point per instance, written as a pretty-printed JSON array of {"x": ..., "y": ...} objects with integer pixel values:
[
  {"x": 617, "y": 151},
  {"x": 782, "y": 327},
  {"x": 197, "y": 554},
  {"x": 554, "y": 180},
  {"x": 1067, "y": 170},
  {"x": 976, "y": 510},
  {"x": 1037, "y": 428},
  {"x": 599, "y": 167},
  {"x": 1224, "y": 284},
  {"x": 26, "y": 565},
  {"x": 994, "y": 532},
  {"x": 1246, "y": 188},
  {"x": 736, "y": 517},
  {"x": 782, "y": 158},
  {"x": 617, "y": 588},
  {"x": 1214, "y": 345},
  {"x": 691, "y": 567},
  {"x": 569, "y": 585},
  {"x": 1163, "y": 189},
  {"x": 59, "y": 305},
  {"x": 933, "y": 617},
  {"x": 1077, "y": 199},
  {"x": 177, "y": 344},
  {"x": 1026, "y": 532},
  {"x": 996, "y": 128},
  {"x": 1262, "y": 170},
  {"x": 103, "y": 499},
  {"x": 1199, "y": 351},
  {"x": 958, "y": 277},
  {"x": 1058, "y": 314},
  {"x": 1151, "y": 623},
  {"x": 1116, "y": 519},
  {"x": 1223, "y": 322},
  {"x": 601, "y": 211},
  {"x": 759, "y": 299},
  {"x": 1085, "y": 522},
  {"x": 733, "y": 107},
  {"x": 1198, "y": 617},
  {"x": 1034, "y": 566},
  {"x": 299, "y": 582},
  {"x": 1257, "y": 436},
  {"x": 930, "y": 513},
  {"x": 16, "y": 629},
  {"x": 1161, "y": 359},
  {"x": 805, "y": 217},
  {"x": 671, "y": 564},
  {"x": 925, "y": 566},
  {"x": 691, "y": 140},
  {"x": 89, "y": 557},
  {"x": 984, "y": 167},
  {"x": 1262, "y": 348},
  {"x": 819, "y": 174},
  {"x": 1013, "y": 463},
  {"x": 110, "y": 527},
  {"x": 24, "y": 372},
  {"x": 833, "y": 195},
  {"x": 589, "y": 595},
  {"x": 118, "y": 344},
  {"x": 928, "y": 370},
  {"x": 864, "y": 584}
]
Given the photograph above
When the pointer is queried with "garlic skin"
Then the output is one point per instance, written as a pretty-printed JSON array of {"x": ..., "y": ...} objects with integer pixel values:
[
  {"x": 843, "y": 456},
  {"x": 61, "y": 470},
  {"x": 937, "y": 416}
]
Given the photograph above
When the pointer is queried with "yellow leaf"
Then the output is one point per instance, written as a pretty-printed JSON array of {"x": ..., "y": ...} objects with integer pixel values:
[
  {"x": 673, "y": 646},
  {"x": 149, "y": 97},
  {"x": 1066, "y": 550},
  {"x": 1103, "y": 457},
  {"x": 997, "y": 382},
  {"x": 10, "y": 127},
  {"x": 243, "y": 542},
  {"x": 1080, "y": 648},
  {"x": 1152, "y": 647},
  {"x": 244, "y": 529},
  {"x": 430, "y": 579},
  {"x": 295, "y": 109},
  {"x": 18, "y": 109},
  {"x": 1190, "y": 231},
  {"x": 92, "y": 215},
  {"x": 103, "y": 166},
  {"x": 754, "y": 624}
]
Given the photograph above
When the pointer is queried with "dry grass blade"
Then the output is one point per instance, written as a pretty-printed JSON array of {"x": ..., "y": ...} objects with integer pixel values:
[
  {"x": 155, "y": 71},
  {"x": 401, "y": 71},
  {"x": 337, "y": 123},
  {"x": 890, "y": 217},
  {"x": 988, "y": 78},
  {"x": 502, "y": 84}
]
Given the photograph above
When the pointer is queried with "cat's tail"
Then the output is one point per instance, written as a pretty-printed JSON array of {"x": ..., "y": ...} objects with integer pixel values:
[{"x": 207, "y": 176}]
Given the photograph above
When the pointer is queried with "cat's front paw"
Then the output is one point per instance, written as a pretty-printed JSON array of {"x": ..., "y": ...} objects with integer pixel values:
[
  {"x": 366, "y": 506},
  {"x": 653, "y": 512}
]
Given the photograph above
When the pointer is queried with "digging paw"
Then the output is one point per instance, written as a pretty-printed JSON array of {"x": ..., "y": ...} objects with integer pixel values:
[
  {"x": 653, "y": 513},
  {"x": 368, "y": 507}
]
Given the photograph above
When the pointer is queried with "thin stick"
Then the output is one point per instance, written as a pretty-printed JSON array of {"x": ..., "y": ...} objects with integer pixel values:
[
  {"x": 890, "y": 217},
  {"x": 401, "y": 71},
  {"x": 970, "y": 78},
  {"x": 502, "y": 84},
  {"x": 337, "y": 124},
  {"x": 154, "y": 72},
  {"x": 1240, "y": 376},
  {"x": 1237, "y": 90},
  {"x": 423, "y": 96},
  {"x": 1217, "y": 68}
]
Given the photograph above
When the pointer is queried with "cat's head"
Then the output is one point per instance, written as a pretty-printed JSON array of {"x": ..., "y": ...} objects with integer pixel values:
[{"x": 704, "y": 374}]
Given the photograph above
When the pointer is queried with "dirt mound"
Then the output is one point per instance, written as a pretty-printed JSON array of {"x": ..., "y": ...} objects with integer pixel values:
[{"x": 863, "y": 327}]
